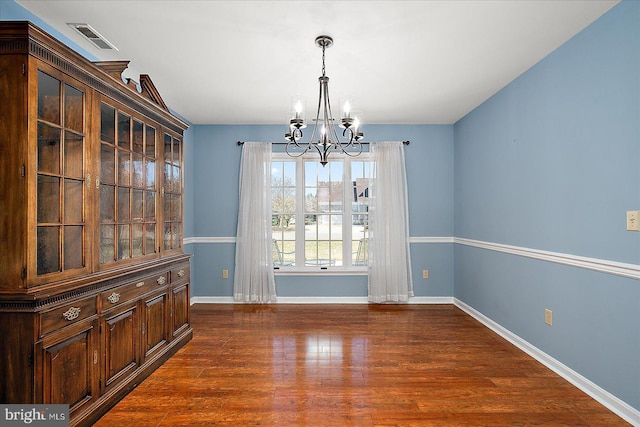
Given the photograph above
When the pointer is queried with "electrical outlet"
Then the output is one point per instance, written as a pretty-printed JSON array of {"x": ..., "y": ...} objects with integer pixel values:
[
  {"x": 225, "y": 274},
  {"x": 548, "y": 317},
  {"x": 633, "y": 220},
  {"x": 425, "y": 274}
]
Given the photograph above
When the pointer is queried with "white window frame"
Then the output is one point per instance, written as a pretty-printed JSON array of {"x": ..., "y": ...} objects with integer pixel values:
[{"x": 347, "y": 255}]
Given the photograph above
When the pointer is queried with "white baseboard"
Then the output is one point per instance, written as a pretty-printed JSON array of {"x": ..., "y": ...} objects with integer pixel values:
[
  {"x": 615, "y": 405},
  {"x": 322, "y": 300}
]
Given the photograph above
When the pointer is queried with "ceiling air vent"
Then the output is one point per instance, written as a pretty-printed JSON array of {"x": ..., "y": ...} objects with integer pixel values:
[{"x": 93, "y": 36}]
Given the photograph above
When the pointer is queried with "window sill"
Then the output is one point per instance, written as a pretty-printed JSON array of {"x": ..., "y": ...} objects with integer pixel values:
[{"x": 317, "y": 271}]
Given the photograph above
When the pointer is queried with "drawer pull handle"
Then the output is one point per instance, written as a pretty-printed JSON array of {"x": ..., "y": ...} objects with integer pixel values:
[
  {"x": 161, "y": 280},
  {"x": 114, "y": 298},
  {"x": 72, "y": 313},
  {"x": 180, "y": 273},
  {"x": 139, "y": 284}
]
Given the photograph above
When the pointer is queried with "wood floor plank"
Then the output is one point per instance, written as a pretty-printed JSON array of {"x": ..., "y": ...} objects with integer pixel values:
[{"x": 351, "y": 365}]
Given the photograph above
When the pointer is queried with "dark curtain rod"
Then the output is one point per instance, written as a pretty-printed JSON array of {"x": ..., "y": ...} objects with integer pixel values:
[{"x": 284, "y": 143}]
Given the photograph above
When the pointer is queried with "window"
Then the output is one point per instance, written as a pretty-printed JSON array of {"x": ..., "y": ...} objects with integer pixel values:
[{"x": 320, "y": 215}]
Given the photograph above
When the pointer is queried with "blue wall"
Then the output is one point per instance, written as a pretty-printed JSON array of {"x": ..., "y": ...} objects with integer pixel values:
[
  {"x": 552, "y": 162},
  {"x": 216, "y": 157}
]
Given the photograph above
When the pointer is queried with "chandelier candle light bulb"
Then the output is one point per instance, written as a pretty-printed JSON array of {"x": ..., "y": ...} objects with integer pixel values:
[{"x": 327, "y": 136}]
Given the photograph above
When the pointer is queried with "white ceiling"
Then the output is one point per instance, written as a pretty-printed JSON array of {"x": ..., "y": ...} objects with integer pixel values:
[{"x": 239, "y": 62}]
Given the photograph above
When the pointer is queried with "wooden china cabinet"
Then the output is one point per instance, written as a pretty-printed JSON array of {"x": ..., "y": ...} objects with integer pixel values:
[{"x": 94, "y": 284}]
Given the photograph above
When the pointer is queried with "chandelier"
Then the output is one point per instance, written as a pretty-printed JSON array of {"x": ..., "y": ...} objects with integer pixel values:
[{"x": 324, "y": 137}]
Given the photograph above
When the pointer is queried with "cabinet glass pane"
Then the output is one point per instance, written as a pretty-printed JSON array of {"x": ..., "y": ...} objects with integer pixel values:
[
  {"x": 167, "y": 178},
  {"x": 107, "y": 164},
  {"x": 167, "y": 235},
  {"x": 150, "y": 169},
  {"x": 137, "y": 231},
  {"x": 123, "y": 205},
  {"x": 107, "y": 243},
  {"x": 150, "y": 239},
  {"x": 149, "y": 206},
  {"x": 48, "y": 149},
  {"x": 107, "y": 203},
  {"x": 124, "y": 131},
  {"x": 175, "y": 175},
  {"x": 73, "y": 247},
  {"x": 167, "y": 207},
  {"x": 107, "y": 123},
  {"x": 175, "y": 235},
  {"x": 138, "y": 140},
  {"x": 137, "y": 204},
  {"x": 150, "y": 142},
  {"x": 48, "y": 98},
  {"x": 48, "y": 199},
  {"x": 175, "y": 207},
  {"x": 73, "y": 192},
  {"x": 73, "y": 155},
  {"x": 48, "y": 257},
  {"x": 123, "y": 242},
  {"x": 73, "y": 108},
  {"x": 124, "y": 167},
  {"x": 175, "y": 152},
  {"x": 138, "y": 171},
  {"x": 167, "y": 148}
]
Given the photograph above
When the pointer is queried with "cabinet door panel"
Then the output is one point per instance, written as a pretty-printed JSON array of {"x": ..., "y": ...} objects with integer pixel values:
[
  {"x": 121, "y": 344},
  {"x": 155, "y": 323},
  {"x": 68, "y": 369},
  {"x": 180, "y": 309}
]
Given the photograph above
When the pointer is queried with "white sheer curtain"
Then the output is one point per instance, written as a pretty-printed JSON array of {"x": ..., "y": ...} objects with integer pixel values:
[
  {"x": 389, "y": 256},
  {"x": 253, "y": 279}
]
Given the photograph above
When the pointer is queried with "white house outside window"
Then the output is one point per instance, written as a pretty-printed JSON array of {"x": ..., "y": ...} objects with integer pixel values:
[{"x": 320, "y": 214}]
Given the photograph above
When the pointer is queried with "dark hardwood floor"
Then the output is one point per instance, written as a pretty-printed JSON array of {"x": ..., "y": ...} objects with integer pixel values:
[{"x": 351, "y": 365}]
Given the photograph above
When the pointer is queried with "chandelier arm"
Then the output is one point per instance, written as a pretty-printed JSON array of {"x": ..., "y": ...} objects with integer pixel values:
[{"x": 295, "y": 154}]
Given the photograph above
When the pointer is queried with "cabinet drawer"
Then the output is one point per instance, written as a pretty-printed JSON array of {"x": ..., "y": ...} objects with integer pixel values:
[
  {"x": 125, "y": 293},
  {"x": 180, "y": 273},
  {"x": 67, "y": 314}
]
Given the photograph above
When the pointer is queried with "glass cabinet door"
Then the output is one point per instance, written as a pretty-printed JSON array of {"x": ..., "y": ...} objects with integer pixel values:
[
  {"x": 61, "y": 192},
  {"x": 172, "y": 211},
  {"x": 127, "y": 186}
]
